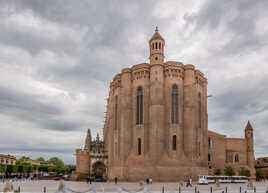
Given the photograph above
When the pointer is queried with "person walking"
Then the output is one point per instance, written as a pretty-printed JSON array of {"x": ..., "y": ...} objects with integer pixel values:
[{"x": 190, "y": 182}]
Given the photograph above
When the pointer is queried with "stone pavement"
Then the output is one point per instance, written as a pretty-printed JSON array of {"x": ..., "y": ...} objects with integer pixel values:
[{"x": 51, "y": 186}]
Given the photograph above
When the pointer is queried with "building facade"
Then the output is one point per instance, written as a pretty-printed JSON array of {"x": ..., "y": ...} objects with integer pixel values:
[
  {"x": 235, "y": 152},
  {"x": 92, "y": 160},
  {"x": 7, "y": 159},
  {"x": 39, "y": 163},
  {"x": 157, "y": 123}
]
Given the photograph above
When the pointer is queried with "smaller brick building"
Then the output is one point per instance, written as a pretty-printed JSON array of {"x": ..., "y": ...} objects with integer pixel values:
[{"x": 235, "y": 152}]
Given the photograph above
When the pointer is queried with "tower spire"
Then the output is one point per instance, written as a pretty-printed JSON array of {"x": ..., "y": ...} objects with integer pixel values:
[
  {"x": 88, "y": 140},
  {"x": 248, "y": 127},
  {"x": 156, "y": 44}
]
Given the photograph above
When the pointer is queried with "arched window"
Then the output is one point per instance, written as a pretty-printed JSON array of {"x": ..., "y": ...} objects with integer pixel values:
[
  {"x": 159, "y": 45},
  {"x": 139, "y": 146},
  {"x": 174, "y": 142},
  {"x": 115, "y": 111},
  {"x": 199, "y": 110},
  {"x": 209, "y": 157},
  {"x": 156, "y": 45},
  {"x": 139, "y": 107},
  {"x": 174, "y": 105},
  {"x": 236, "y": 158}
]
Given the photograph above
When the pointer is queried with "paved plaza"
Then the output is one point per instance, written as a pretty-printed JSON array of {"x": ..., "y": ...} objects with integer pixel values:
[{"x": 172, "y": 187}]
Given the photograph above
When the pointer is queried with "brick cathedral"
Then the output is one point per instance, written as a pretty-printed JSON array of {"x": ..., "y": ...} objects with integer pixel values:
[{"x": 157, "y": 125}]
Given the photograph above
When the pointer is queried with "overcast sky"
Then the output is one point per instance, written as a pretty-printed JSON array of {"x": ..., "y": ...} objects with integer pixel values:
[{"x": 58, "y": 57}]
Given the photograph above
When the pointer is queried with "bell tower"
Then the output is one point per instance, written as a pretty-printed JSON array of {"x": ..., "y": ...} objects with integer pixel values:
[
  {"x": 250, "y": 144},
  {"x": 157, "y": 44}
]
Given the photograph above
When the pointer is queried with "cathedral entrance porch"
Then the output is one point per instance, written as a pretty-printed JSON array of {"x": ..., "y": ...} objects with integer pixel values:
[{"x": 99, "y": 171}]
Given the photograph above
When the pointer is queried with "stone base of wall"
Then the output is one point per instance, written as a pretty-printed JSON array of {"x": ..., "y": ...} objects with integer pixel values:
[{"x": 157, "y": 173}]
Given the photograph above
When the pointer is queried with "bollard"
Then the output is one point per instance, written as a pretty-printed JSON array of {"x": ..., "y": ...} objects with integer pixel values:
[
  {"x": 163, "y": 189},
  {"x": 45, "y": 189},
  {"x": 245, "y": 191},
  {"x": 255, "y": 189},
  {"x": 179, "y": 189},
  {"x": 19, "y": 189},
  {"x": 226, "y": 189},
  {"x": 210, "y": 189},
  {"x": 240, "y": 190},
  {"x": 195, "y": 189}
]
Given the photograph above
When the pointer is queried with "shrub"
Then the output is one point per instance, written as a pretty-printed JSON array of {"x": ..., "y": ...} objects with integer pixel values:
[
  {"x": 244, "y": 172},
  {"x": 217, "y": 172},
  {"x": 229, "y": 171}
]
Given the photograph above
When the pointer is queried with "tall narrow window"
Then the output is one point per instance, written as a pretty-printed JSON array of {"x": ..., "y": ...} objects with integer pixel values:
[
  {"x": 174, "y": 105},
  {"x": 236, "y": 158},
  {"x": 139, "y": 146},
  {"x": 156, "y": 45},
  {"x": 153, "y": 46},
  {"x": 115, "y": 111},
  {"x": 174, "y": 142},
  {"x": 209, "y": 157},
  {"x": 159, "y": 45},
  {"x": 199, "y": 148},
  {"x": 139, "y": 107},
  {"x": 199, "y": 110},
  {"x": 115, "y": 148},
  {"x": 209, "y": 143}
]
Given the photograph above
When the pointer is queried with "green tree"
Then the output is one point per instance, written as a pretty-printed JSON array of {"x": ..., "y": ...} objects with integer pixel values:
[
  {"x": 259, "y": 173},
  {"x": 229, "y": 171},
  {"x": 62, "y": 170},
  {"x": 41, "y": 159},
  {"x": 56, "y": 161},
  {"x": 15, "y": 169},
  {"x": 25, "y": 169},
  {"x": 20, "y": 169},
  {"x": 30, "y": 169},
  {"x": 43, "y": 168},
  {"x": 51, "y": 169},
  {"x": 217, "y": 172},
  {"x": 244, "y": 172},
  {"x": 3, "y": 168},
  {"x": 9, "y": 170},
  {"x": 22, "y": 159},
  {"x": 72, "y": 168}
]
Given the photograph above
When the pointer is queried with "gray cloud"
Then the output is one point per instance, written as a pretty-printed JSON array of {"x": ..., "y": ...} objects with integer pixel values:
[{"x": 58, "y": 57}]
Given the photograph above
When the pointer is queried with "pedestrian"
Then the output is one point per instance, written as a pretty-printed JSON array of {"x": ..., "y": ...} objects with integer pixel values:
[
  {"x": 115, "y": 180},
  {"x": 190, "y": 182}
]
